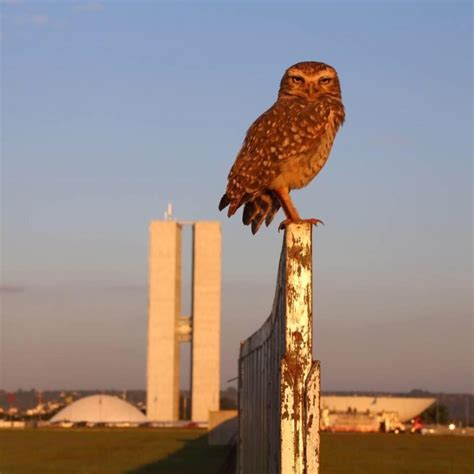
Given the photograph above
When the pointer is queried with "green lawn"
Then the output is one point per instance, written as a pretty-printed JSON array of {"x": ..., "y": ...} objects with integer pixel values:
[
  {"x": 184, "y": 451},
  {"x": 350, "y": 453}
]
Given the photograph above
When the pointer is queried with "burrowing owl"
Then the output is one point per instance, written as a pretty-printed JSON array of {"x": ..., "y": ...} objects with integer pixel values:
[{"x": 287, "y": 146}]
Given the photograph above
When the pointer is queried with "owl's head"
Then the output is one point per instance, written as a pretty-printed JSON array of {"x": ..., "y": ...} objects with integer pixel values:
[{"x": 310, "y": 80}]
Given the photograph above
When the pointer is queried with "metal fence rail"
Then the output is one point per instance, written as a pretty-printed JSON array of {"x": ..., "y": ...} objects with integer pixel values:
[{"x": 278, "y": 379}]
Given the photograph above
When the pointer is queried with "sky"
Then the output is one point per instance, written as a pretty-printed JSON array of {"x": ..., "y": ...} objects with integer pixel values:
[{"x": 110, "y": 110}]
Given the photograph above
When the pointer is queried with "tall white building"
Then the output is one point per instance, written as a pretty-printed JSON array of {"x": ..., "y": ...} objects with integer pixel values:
[{"x": 167, "y": 327}]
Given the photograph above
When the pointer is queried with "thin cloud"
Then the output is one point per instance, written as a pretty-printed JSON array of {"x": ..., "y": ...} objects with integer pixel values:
[
  {"x": 11, "y": 288},
  {"x": 39, "y": 19},
  {"x": 91, "y": 7},
  {"x": 10, "y": 2}
]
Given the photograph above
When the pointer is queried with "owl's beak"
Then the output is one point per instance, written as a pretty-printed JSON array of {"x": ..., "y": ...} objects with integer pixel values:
[{"x": 312, "y": 89}]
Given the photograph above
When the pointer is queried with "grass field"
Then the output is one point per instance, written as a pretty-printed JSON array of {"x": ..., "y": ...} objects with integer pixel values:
[{"x": 174, "y": 451}]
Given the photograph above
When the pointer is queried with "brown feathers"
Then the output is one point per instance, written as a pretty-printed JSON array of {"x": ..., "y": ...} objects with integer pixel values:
[
  {"x": 256, "y": 211},
  {"x": 288, "y": 145}
]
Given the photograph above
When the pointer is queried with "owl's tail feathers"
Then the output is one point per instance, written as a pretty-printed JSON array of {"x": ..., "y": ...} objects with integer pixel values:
[
  {"x": 259, "y": 209},
  {"x": 224, "y": 202},
  {"x": 233, "y": 204}
]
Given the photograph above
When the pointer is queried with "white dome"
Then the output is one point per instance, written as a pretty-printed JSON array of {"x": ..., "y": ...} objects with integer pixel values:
[{"x": 100, "y": 409}]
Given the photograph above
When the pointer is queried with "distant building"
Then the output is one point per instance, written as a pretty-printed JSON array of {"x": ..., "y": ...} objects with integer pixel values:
[
  {"x": 361, "y": 413},
  {"x": 168, "y": 327},
  {"x": 99, "y": 409}
]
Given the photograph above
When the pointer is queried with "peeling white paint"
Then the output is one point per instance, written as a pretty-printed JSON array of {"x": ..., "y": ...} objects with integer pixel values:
[{"x": 278, "y": 380}]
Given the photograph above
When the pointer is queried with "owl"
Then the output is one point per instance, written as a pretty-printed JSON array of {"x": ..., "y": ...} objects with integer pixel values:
[{"x": 287, "y": 146}]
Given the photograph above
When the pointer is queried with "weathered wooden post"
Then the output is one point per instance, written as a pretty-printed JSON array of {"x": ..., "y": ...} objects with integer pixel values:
[{"x": 279, "y": 383}]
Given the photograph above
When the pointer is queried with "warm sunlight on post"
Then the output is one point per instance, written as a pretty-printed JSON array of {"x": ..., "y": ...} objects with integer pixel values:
[{"x": 279, "y": 383}]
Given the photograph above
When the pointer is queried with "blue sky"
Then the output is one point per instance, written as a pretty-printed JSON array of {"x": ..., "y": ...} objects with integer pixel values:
[{"x": 110, "y": 110}]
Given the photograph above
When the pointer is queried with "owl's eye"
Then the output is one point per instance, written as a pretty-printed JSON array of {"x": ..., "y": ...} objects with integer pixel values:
[
  {"x": 297, "y": 79},
  {"x": 325, "y": 80}
]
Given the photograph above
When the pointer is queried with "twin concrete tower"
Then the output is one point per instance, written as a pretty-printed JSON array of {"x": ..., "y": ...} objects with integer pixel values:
[{"x": 167, "y": 327}]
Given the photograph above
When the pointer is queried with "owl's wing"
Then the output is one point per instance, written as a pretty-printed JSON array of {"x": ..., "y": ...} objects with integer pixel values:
[{"x": 286, "y": 130}]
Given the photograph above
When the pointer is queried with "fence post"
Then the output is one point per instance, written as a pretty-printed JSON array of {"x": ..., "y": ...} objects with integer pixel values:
[{"x": 279, "y": 383}]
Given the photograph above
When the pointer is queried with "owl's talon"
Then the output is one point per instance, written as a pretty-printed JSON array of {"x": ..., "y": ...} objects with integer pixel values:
[
  {"x": 315, "y": 222},
  {"x": 284, "y": 223}
]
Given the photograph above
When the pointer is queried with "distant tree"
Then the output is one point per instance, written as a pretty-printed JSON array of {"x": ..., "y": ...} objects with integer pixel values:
[
  {"x": 229, "y": 398},
  {"x": 436, "y": 413},
  {"x": 418, "y": 392},
  {"x": 228, "y": 404}
]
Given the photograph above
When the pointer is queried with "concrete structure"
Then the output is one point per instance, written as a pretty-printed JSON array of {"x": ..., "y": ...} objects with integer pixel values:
[
  {"x": 100, "y": 409},
  {"x": 206, "y": 310},
  {"x": 167, "y": 327},
  {"x": 405, "y": 408},
  {"x": 164, "y": 310}
]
